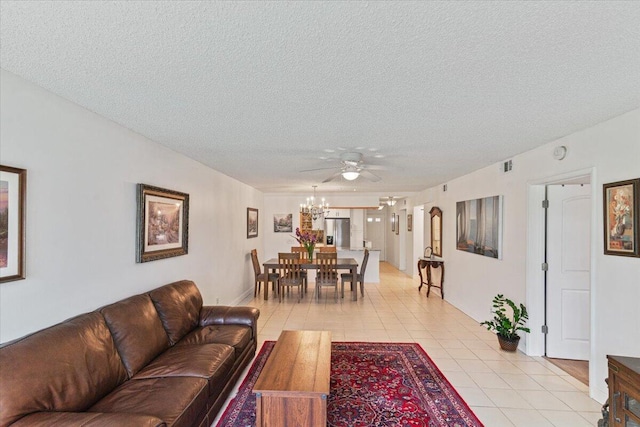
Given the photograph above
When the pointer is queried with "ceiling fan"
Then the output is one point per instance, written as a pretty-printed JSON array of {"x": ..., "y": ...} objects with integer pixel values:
[{"x": 350, "y": 168}]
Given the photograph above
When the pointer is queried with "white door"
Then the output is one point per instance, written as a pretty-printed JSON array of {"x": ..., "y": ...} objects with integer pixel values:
[
  {"x": 374, "y": 230},
  {"x": 568, "y": 277}
]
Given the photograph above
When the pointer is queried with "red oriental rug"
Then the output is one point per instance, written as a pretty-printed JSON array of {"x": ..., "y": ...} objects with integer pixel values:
[{"x": 372, "y": 384}]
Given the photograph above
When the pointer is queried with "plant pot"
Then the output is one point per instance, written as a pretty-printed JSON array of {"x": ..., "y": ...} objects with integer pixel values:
[{"x": 508, "y": 344}]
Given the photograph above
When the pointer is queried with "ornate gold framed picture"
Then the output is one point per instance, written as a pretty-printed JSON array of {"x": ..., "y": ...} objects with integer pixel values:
[{"x": 162, "y": 223}]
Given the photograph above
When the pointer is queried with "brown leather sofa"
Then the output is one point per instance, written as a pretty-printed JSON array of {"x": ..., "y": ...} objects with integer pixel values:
[{"x": 155, "y": 359}]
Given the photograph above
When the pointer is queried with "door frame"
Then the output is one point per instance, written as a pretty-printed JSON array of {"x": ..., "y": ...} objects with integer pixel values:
[{"x": 535, "y": 292}]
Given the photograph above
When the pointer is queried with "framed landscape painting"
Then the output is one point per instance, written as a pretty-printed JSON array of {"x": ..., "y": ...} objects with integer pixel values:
[
  {"x": 479, "y": 226},
  {"x": 162, "y": 223},
  {"x": 252, "y": 223},
  {"x": 282, "y": 223},
  {"x": 621, "y": 207},
  {"x": 13, "y": 193}
]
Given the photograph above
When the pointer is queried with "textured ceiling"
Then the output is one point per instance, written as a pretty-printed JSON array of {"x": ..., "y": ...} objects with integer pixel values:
[{"x": 260, "y": 90}]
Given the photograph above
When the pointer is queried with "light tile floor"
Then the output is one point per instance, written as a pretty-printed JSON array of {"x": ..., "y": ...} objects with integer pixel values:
[{"x": 503, "y": 389}]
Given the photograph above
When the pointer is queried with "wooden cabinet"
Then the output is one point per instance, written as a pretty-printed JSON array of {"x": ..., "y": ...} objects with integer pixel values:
[
  {"x": 624, "y": 391},
  {"x": 306, "y": 222},
  {"x": 339, "y": 213}
]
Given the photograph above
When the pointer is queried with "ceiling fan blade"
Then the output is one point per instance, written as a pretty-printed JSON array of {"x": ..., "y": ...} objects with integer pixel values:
[
  {"x": 370, "y": 176},
  {"x": 318, "y": 169},
  {"x": 332, "y": 177},
  {"x": 374, "y": 167}
]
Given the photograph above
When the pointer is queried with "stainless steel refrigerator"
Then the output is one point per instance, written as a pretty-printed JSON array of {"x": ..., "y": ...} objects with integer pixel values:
[{"x": 338, "y": 232}]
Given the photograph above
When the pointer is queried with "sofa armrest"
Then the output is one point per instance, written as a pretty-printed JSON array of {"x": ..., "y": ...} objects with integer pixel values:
[
  {"x": 225, "y": 315},
  {"x": 88, "y": 419}
]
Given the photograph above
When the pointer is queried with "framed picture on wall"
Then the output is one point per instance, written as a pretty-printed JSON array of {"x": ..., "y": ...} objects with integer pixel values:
[
  {"x": 393, "y": 222},
  {"x": 252, "y": 223},
  {"x": 621, "y": 207},
  {"x": 409, "y": 222},
  {"x": 13, "y": 194},
  {"x": 162, "y": 223},
  {"x": 397, "y": 225},
  {"x": 282, "y": 223},
  {"x": 479, "y": 226}
]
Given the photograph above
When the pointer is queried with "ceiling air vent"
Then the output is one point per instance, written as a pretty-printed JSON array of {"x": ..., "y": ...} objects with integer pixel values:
[{"x": 507, "y": 166}]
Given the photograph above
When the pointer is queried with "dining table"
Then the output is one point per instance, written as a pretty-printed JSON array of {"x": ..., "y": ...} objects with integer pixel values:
[{"x": 342, "y": 264}]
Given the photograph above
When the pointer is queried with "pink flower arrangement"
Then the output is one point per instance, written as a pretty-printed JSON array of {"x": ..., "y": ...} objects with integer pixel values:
[{"x": 306, "y": 239}]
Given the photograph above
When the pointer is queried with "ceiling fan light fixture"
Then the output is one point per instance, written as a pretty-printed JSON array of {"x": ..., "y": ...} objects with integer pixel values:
[{"x": 350, "y": 175}]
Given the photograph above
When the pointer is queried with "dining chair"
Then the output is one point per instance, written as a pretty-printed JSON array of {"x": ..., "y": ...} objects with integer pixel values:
[
  {"x": 290, "y": 272},
  {"x": 300, "y": 250},
  {"x": 303, "y": 254},
  {"x": 260, "y": 276},
  {"x": 327, "y": 274},
  {"x": 348, "y": 277},
  {"x": 328, "y": 249}
]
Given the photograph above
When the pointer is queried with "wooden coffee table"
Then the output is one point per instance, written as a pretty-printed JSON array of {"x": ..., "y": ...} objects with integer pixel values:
[{"x": 293, "y": 387}]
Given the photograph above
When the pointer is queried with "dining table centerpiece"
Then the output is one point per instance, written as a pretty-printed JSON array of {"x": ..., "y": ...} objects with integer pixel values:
[{"x": 308, "y": 240}]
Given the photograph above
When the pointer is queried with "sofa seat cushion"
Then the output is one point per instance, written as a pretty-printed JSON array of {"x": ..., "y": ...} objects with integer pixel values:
[
  {"x": 178, "y": 401},
  {"x": 67, "y": 367},
  {"x": 137, "y": 331},
  {"x": 236, "y": 336},
  {"x": 88, "y": 419},
  {"x": 213, "y": 362}
]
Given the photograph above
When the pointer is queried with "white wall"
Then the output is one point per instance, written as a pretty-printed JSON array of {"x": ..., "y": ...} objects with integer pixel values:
[
  {"x": 82, "y": 172},
  {"x": 612, "y": 150}
]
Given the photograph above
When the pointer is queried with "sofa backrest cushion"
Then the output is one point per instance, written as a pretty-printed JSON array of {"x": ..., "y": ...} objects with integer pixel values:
[
  {"x": 179, "y": 306},
  {"x": 67, "y": 367},
  {"x": 137, "y": 331}
]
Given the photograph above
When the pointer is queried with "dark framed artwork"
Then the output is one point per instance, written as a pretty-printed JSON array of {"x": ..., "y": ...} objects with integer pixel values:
[
  {"x": 252, "y": 223},
  {"x": 282, "y": 223},
  {"x": 621, "y": 202},
  {"x": 393, "y": 222},
  {"x": 410, "y": 222},
  {"x": 162, "y": 223},
  {"x": 479, "y": 226},
  {"x": 13, "y": 196}
]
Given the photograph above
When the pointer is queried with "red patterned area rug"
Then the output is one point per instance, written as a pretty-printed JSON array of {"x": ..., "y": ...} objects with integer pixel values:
[{"x": 372, "y": 384}]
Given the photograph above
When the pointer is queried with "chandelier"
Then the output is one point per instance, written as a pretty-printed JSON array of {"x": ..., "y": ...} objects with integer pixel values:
[
  {"x": 390, "y": 201},
  {"x": 316, "y": 211}
]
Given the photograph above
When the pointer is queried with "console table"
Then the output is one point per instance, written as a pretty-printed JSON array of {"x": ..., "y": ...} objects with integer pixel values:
[{"x": 427, "y": 264}]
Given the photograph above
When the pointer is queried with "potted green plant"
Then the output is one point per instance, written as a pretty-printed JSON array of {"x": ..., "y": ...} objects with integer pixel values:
[{"x": 507, "y": 327}]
